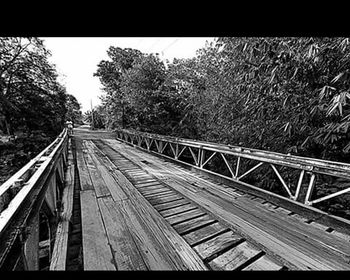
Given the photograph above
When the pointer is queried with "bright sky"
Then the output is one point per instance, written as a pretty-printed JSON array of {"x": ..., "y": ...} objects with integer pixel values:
[{"x": 76, "y": 58}]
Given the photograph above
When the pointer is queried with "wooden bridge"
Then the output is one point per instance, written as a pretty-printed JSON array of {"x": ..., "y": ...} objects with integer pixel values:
[{"x": 136, "y": 201}]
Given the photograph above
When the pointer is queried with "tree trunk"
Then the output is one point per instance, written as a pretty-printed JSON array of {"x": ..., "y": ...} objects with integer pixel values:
[
  {"x": 8, "y": 127},
  {"x": 123, "y": 116}
]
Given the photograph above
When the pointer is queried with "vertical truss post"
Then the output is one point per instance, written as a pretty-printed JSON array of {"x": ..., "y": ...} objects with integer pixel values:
[
  {"x": 202, "y": 157},
  {"x": 147, "y": 143},
  {"x": 299, "y": 184},
  {"x": 237, "y": 167},
  {"x": 177, "y": 151},
  {"x": 310, "y": 189}
]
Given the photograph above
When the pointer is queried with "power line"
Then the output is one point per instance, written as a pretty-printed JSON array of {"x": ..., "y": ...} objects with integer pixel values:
[
  {"x": 139, "y": 42},
  {"x": 172, "y": 43},
  {"x": 155, "y": 43}
]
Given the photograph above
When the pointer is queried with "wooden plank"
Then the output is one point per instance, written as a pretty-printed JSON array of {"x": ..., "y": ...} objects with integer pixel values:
[
  {"x": 138, "y": 172},
  {"x": 59, "y": 253},
  {"x": 344, "y": 236},
  {"x": 173, "y": 220},
  {"x": 125, "y": 250},
  {"x": 110, "y": 184},
  {"x": 139, "y": 177},
  {"x": 202, "y": 234},
  {"x": 193, "y": 224},
  {"x": 152, "y": 197},
  {"x": 96, "y": 250},
  {"x": 159, "y": 194},
  {"x": 84, "y": 177},
  {"x": 154, "y": 184},
  {"x": 234, "y": 192},
  {"x": 146, "y": 183},
  {"x": 44, "y": 248},
  {"x": 145, "y": 235},
  {"x": 253, "y": 221},
  {"x": 217, "y": 244},
  {"x": 178, "y": 210},
  {"x": 96, "y": 177},
  {"x": 170, "y": 244},
  {"x": 235, "y": 258},
  {"x": 263, "y": 263},
  {"x": 153, "y": 189},
  {"x": 160, "y": 200},
  {"x": 190, "y": 187},
  {"x": 31, "y": 246},
  {"x": 50, "y": 195},
  {"x": 169, "y": 205}
]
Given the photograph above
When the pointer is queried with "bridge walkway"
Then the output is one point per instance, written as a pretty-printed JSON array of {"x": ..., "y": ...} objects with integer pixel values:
[{"x": 141, "y": 212}]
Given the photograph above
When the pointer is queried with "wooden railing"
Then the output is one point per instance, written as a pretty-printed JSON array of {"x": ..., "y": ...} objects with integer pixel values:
[
  {"x": 203, "y": 152},
  {"x": 29, "y": 202}
]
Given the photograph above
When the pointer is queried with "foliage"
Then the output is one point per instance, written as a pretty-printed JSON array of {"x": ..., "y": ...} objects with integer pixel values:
[
  {"x": 283, "y": 94},
  {"x": 96, "y": 117},
  {"x": 73, "y": 110},
  {"x": 136, "y": 93},
  {"x": 280, "y": 94},
  {"x": 31, "y": 98},
  {"x": 33, "y": 104},
  {"x": 288, "y": 95}
]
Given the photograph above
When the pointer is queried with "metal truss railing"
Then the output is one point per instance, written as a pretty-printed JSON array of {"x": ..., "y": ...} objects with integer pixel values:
[{"x": 198, "y": 150}]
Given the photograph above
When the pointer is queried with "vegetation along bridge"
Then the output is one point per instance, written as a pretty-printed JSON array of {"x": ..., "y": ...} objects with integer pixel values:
[{"x": 135, "y": 201}]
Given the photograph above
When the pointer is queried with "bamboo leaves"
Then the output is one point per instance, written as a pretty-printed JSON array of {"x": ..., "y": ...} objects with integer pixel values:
[{"x": 338, "y": 102}]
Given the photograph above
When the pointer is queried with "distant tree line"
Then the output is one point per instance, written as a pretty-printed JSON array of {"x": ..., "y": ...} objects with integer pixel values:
[
  {"x": 288, "y": 95},
  {"x": 279, "y": 94}
]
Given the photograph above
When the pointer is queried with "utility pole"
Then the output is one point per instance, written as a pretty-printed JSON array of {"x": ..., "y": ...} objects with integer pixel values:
[{"x": 92, "y": 116}]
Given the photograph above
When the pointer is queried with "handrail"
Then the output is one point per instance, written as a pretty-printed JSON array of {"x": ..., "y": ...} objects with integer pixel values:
[
  {"x": 322, "y": 166},
  {"x": 26, "y": 188},
  {"x": 311, "y": 166}
]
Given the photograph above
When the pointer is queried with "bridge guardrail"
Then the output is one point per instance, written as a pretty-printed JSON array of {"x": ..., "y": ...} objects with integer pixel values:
[
  {"x": 310, "y": 166},
  {"x": 22, "y": 197}
]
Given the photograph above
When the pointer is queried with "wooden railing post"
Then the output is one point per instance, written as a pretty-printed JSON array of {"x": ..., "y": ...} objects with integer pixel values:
[{"x": 31, "y": 189}]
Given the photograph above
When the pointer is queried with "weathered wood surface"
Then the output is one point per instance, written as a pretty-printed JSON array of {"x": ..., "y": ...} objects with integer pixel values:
[
  {"x": 125, "y": 250},
  {"x": 263, "y": 263},
  {"x": 204, "y": 233},
  {"x": 169, "y": 205},
  {"x": 217, "y": 244},
  {"x": 84, "y": 177},
  {"x": 262, "y": 233},
  {"x": 298, "y": 244},
  {"x": 96, "y": 248},
  {"x": 182, "y": 227},
  {"x": 160, "y": 245},
  {"x": 194, "y": 223},
  {"x": 98, "y": 181},
  {"x": 59, "y": 254},
  {"x": 110, "y": 187},
  {"x": 235, "y": 257},
  {"x": 177, "y": 210},
  {"x": 129, "y": 234}
]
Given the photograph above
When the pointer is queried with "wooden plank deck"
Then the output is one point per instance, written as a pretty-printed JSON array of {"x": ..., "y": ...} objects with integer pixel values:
[{"x": 150, "y": 214}]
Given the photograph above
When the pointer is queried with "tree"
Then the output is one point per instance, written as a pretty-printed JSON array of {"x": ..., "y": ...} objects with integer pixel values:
[
  {"x": 27, "y": 78},
  {"x": 111, "y": 74},
  {"x": 73, "y": 109},
  {"x": 96, "y": 117}
]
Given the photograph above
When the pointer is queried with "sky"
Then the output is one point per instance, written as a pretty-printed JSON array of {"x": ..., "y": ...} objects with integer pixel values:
[{"x": 76, "y": 58}]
